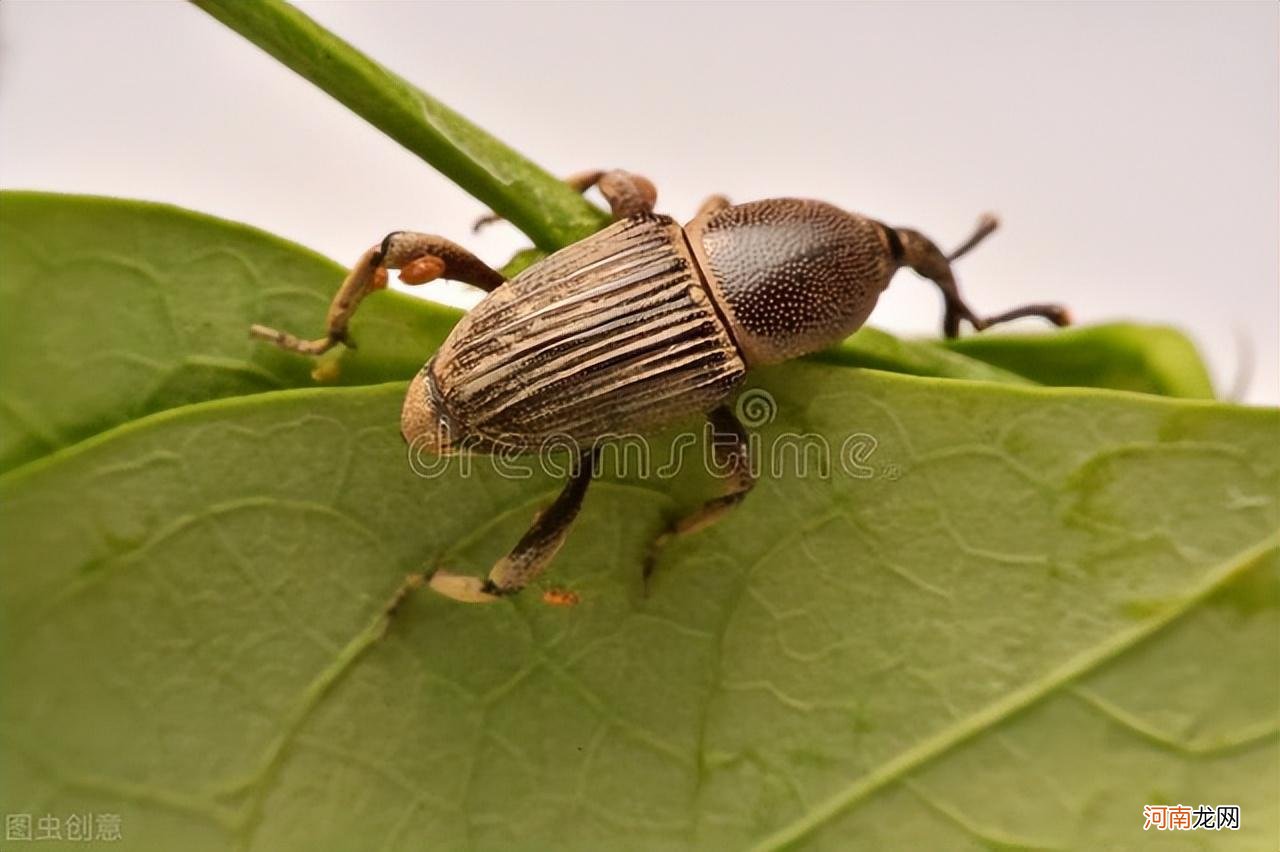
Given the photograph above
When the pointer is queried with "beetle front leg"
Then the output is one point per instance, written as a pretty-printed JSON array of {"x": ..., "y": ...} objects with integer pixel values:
[
  {"x": 419, "y": 257},
  {"x": 919, "y": 253},
  {"x": 533, "y": 553},
  {"x": 730, "y": 448}
]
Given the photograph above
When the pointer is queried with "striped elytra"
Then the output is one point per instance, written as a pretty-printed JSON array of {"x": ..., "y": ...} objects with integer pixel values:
[{"x": 612, "y": 335}]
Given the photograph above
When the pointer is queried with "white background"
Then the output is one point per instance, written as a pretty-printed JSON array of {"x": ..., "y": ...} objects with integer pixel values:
[{"x": 1131, "y": 150}]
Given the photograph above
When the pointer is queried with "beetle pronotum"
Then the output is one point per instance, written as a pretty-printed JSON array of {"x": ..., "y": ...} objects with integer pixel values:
[{"x": 635, "y": 327}]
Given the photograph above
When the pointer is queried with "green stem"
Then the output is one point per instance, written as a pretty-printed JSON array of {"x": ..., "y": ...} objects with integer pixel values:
[{"x": 547, "y": 210}]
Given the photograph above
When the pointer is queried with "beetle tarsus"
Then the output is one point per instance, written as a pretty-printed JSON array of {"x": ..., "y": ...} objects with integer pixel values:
[
  {"x": 289, "y": 342},
  {"x": 461, "y": 588}
]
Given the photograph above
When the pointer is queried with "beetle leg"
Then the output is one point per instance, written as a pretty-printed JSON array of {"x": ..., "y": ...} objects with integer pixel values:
[
  {"x": 535, "y": 550},
  {"x": 729, "y": 446},
  {"x": 713, "y": 204},
  {"x": 919, "y": 253},
  {"x": 419, "y": 257}
]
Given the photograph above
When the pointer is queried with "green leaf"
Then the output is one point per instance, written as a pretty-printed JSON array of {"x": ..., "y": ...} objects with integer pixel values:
[
  {"x": 1122, "y": 356},
  {"x": 111, "y": 310},
  {"x": 551, "y": 213},
  {"x": 1018, "y": 615}
]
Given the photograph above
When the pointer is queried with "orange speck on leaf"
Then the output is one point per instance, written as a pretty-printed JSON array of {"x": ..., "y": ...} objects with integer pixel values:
[{"x": 560, "y": 597}]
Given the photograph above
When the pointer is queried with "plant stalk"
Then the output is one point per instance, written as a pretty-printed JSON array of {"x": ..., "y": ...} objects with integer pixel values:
[{"x": 551, "y": 213}]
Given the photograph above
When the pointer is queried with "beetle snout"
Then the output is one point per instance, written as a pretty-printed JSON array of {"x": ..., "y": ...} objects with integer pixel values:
[{"x": 422, "y": 424}]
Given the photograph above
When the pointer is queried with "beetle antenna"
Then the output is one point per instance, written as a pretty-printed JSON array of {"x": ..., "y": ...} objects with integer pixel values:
[
  {"x": 928, "y": 261},
  {"x": 987, "y": 223}
]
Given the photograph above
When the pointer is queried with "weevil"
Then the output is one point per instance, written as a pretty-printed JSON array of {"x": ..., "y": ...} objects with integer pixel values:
[{"x": 639, "y": 325}]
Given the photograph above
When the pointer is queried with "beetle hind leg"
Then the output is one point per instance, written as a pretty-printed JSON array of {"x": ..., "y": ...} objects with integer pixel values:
[
  {"x": 919, "y": 253},
  {"x": 419, "y": 257},
  {"x": 533, "y": 553},
  {"x": 732, "y": 453}
]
